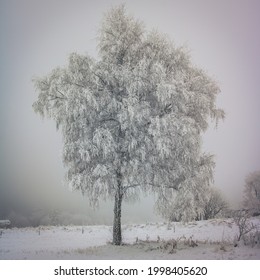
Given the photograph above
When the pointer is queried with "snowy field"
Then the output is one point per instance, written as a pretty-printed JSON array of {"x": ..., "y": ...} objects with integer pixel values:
[{"x": 214, "y": 239}]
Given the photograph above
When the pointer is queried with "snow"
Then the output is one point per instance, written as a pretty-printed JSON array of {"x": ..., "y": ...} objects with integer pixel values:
[{"x": 141, "y": 241}]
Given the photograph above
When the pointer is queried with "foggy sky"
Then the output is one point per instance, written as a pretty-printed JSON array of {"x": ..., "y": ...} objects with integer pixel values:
[{"x": 36, "y": 36}]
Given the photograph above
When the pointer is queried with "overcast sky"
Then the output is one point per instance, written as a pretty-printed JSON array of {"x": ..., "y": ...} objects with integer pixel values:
[{"x": 36, "y": 36}]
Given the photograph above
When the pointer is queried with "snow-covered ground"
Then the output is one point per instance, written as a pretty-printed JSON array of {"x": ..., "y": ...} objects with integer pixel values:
[{"x": 214, "y": 240}]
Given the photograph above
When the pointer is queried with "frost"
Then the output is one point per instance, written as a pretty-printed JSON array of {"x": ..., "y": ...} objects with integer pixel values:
[
  {"x": 100, "y": 171},
  {"x": 133, "y": 118}
]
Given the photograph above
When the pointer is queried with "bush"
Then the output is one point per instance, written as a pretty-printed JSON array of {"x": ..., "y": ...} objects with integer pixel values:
[{"x": 241, "y": 219}]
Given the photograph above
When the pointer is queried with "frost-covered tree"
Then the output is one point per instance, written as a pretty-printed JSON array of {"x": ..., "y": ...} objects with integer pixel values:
[
  {"x": 189, "y": 204},
  {"x": 252, "y": 192},
  {"x": 132, "y": 119},
  {"x": 215, "y": 204}
]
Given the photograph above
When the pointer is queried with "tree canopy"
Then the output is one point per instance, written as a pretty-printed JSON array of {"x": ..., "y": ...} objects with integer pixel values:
[{"x": 132, "y": 119}]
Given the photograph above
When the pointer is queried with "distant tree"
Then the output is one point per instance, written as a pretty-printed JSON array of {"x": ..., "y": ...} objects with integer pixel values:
[
  {"x": 18, "y": 219},
  {"x": 252, "y": 192},
  {"x": 54, "y": 217},
  {"x": 215, "y": 204},
  {"x": 189, "y": 204},
  {"x": 132, "y": 119}
]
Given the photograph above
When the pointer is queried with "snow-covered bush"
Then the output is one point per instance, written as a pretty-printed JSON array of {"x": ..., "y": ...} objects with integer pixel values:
[
  {"x": 252, "y": 239},
  {"x": 215, "y": 205},
  {"x": 245, "y": 227}
]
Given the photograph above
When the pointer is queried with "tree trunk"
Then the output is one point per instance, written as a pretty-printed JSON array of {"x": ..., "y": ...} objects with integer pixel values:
[{"x": 117, "y": 236}]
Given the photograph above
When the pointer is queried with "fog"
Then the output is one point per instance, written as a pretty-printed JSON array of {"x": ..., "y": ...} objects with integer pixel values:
[{"x": 36, "y": 36}]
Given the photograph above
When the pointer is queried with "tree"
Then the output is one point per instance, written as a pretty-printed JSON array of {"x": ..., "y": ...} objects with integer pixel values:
[
  {"x": 252, "y": 192},
  {"x": 214, "y": 205},
  {"x": 191, "y": 204},
  {"x": 188, "y": 203},
  {"x": 131, "y": 120}
]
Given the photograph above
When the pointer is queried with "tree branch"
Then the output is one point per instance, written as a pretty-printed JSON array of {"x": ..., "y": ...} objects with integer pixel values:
[
  {"x": 113, "y": 120},
  {"x": 125, "y": 188},
  {"x": 76, "y": 84},
  {"x": 62, "y": 94},
  {"x": 166, "y": 110},
  {"x": 110, "y": 119},
  {"x": 101, "y": 79},
  {"x": 56, "y": 97}
]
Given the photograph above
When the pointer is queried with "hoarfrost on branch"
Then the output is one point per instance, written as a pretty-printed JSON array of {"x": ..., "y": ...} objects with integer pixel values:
[{"x": 132, "y": 119}]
